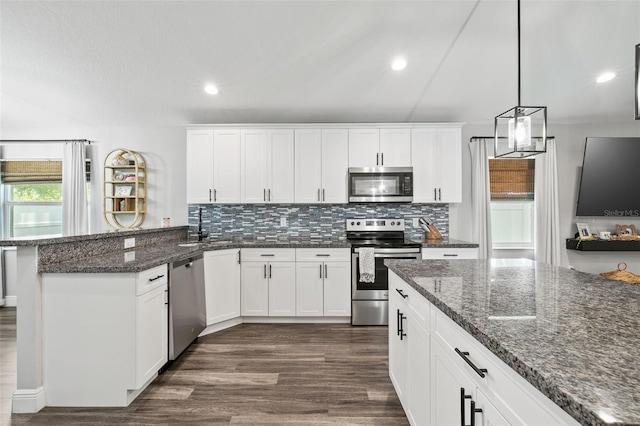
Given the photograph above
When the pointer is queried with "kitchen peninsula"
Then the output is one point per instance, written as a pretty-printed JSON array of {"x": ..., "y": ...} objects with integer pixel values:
[{"x": 571, "y": 337}]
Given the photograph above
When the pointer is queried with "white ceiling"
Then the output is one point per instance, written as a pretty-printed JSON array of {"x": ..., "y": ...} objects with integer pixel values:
[{"x": 140, "y": 63}]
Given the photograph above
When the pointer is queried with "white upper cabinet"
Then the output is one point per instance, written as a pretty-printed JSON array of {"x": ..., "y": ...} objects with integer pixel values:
[
  {"x": 267, "y": 166},
  {"x": 395, "y": 147},
  {"x": 379, "y": 147},
  {"x": 200, "y": 166},
  {"x": 321, "y": 163},
  {"x": 226, "y": 166},
  {"x": 437, "y": 165}
]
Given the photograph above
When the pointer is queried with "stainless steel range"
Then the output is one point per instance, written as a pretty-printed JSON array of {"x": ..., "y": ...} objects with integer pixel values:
[{"x": 385, "y": 238}]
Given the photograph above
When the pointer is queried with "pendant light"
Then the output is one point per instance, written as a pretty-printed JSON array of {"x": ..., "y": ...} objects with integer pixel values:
[{"x": 521, "y": 131}]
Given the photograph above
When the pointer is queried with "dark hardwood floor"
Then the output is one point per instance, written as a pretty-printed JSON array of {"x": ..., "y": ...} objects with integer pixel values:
[{"x": 257, "y": 374}]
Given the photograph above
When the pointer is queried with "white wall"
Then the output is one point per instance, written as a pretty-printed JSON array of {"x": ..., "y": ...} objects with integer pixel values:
[
  {"x": 163, "y": 149},
  {"x": 570, "y": 140}
]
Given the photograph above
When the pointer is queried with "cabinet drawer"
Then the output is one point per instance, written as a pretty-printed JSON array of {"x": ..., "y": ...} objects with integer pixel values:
[
  {"x": 151, "y": 279},
  {"x": 411, "y": 299},
  {"x": 452, "y": 253},
  {"x": 268, "y": 255},
  {"x": 515, "y": 398},
  {"x": 314, "y": 255}
]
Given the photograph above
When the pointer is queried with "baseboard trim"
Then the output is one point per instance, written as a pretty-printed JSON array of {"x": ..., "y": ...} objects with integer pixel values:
[{"x": 28, "y": 400}]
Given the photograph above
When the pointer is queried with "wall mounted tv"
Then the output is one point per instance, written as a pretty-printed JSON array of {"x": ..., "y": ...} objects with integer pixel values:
[{"x": 610, "y": 182}]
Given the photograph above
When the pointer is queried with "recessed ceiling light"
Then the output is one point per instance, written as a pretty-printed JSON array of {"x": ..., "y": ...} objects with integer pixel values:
[
  {"x": 606, "y": 76},
  {"x": 398, "y": 64},
  {"x": 211, "y": 89}
]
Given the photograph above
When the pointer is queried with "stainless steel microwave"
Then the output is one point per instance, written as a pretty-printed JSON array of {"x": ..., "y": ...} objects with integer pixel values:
[{"x": 380, "y": 184}]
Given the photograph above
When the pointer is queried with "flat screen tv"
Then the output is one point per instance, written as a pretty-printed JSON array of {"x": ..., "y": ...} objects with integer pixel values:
[{"x": 610, "y": 182}]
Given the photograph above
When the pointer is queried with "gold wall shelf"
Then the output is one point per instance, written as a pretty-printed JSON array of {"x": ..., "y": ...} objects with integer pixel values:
[{"x": 124, "y": 201}]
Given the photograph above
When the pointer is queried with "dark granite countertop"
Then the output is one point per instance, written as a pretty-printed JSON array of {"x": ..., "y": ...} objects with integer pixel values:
[
  {"x": 446, "y": 243},
  {"x": 574, "y": 336}
]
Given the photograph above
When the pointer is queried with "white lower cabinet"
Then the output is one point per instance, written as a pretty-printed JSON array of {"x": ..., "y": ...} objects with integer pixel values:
[
  {"x": 323, "y": 282},
  {"x": 222, "y": 285},
  {"x": 438, "y": 386},
  {"x": 268, "y": 282},
  {"x": 105, "y": 335}
]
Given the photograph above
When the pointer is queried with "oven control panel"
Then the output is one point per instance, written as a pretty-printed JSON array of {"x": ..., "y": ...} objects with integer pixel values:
[{"x": 375, "y": 224}]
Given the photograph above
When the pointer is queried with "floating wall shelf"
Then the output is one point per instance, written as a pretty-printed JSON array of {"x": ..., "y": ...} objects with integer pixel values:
[
  {"x": 124, "y": 202},
  {"x": 603, "y": 245}
]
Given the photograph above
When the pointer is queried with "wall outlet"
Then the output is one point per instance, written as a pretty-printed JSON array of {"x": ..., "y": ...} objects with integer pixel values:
[
  {"x": 283, "y": 221},
  {"x": 416, "y": 224},
  {"x": 129, "y": 243}
]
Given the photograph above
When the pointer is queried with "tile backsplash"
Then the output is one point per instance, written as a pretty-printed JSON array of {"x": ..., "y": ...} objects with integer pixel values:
[{"x": 313, "y": 221}]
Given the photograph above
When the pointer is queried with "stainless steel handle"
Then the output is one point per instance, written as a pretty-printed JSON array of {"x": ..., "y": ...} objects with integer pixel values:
[
  {"x": 156, "y": 278},
  {"x": 323, "y": 194},
  {"x": 269, "y": 271},
  {"x": 265, "y": 271},
  {"x": 325, "y": 271}
]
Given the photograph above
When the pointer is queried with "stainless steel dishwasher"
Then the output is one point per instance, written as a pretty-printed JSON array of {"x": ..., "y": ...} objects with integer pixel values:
[{"x": 187, "y": 315}]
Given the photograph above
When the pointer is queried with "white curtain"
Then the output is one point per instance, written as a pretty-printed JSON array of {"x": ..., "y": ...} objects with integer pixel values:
[
  {"x": 481, "y": 196},
  {"x": 74, "y": 190},
  {"x": 548, "y": 240}
]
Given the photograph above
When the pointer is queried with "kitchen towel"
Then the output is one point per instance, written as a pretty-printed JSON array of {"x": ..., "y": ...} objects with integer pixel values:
[{"x": 367, "y": 265}]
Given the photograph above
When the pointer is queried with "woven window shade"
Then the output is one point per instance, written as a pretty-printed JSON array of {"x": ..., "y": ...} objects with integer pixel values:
[
  {"x": 30, "y": 171},
  {"x": 512, "y": 179}
]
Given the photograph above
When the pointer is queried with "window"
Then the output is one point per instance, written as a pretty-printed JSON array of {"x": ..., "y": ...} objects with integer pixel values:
[
  {"x": 512, "y": 202},
  {"x": 32, "y": 198}
]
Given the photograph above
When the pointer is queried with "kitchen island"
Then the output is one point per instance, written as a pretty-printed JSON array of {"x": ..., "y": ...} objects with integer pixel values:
[{"x": 573, "y": 336}]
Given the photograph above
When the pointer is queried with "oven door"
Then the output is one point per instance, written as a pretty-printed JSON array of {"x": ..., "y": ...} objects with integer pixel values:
[
  {"x": 379, "y": 289},
  {"x": 380, "y": 184}
]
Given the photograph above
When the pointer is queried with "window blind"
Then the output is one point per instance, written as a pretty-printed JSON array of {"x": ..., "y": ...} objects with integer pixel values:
[
  {"x": 29, "y": 171},
  {"x": 512, "y": 179}
]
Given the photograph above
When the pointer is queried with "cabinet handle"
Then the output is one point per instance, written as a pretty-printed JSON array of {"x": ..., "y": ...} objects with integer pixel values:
[
  {"x": 382, "y": 159},
  {"x": 474, "y": 410},
  {"x": 320, "y": 271},
  {"x": 465, "y": 355},
  {"x": 215, "y": 195},
  {"x": 463, "y": 397},
  {"x": 398, "y": 322},
  {"x": 156, "y": 278},
  {"x": 439, "y": 194},
  {"x": 209, "y": 194},
  {"x": 267, "y": 255},
  {"x": 264, "y": 194},
  {"x": 322, "y": 194},
  {"x": 435, "y": 194},
  {"x": 377, "y": 156},
  {"x": 322, "y": 255},
  {"x": 166, "y": 297},
  {"x": 402, "y": 333},
  {"x": 318, "y": 194},
  {"x": 450, "y": 255},
  {"x": 404, "y": 296},
  {"x": 269, "y": 192},
  {"x": 238, "y": 257},
  {"x": 265, "y": 271},
  {"x": 325, "y": 272},
  {"x": 269, "y": 271}
]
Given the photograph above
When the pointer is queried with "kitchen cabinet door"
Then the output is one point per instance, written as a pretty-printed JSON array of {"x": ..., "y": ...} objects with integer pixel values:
[
  {"x": 254, "y": 289},
  {"x": 309, "y": 288},
  {"x": 151, "y": 334},
  {"x": 447, "y": 380},
  {"x": 449, "y": 174},
  {"x": 280, "y": 166},
  {"x": 226, "y": 166},
  {"x": 282, "y": 288},
  {"x": 222, "y": 285},
  {"x": 199, "y": 166},
  {"x": 308, "y": 165},
  {"x": 337, "y": 289},
  {"x": 490, "y": 416},
  {"x": 253, "y": 166},
  {"x": 364, "y": 147},
  {"x": 395, "y": 147},
  {"x": 398, "y": 347},
  {"x": 423, "y": 148},
  {"x": 419, "y": 382},
  {"x": 335, "y": 165}
]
